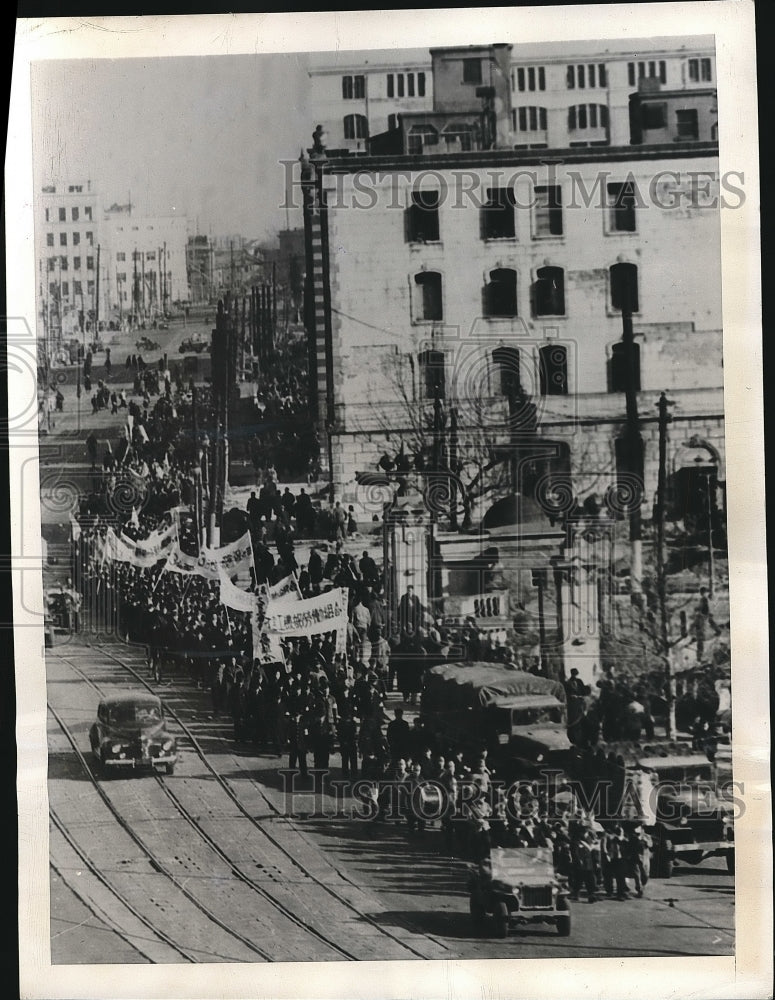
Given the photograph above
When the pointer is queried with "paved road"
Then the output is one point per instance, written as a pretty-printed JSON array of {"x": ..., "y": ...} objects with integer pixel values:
[{"x": 372, "y": 892}]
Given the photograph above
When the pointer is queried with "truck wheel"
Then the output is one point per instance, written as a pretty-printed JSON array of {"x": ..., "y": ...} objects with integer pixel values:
[
  {"x": 731, "y": 862},
  {"x": 563, "y": 922},
  {"x": 501, "y": 916},
  {"x": 477, "y": 912}
]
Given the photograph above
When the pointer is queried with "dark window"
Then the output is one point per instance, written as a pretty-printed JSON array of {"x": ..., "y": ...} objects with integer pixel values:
[
  {"x": 47, "y": 215},
  {"x": 74, "y": 214},
  {"x": 63, "y": 239},
  {"x": 76, "y": 263},
  {"x": 572, "y": 118},
  {"x": 421, "y": 84},
  {"x": 582, "y": 116},
  {"x": 652, "y": 69},
  {"x": 433, "y": 375},
  {"x": 90, "y": 239},
  {"x": 421, "y": 136},
  {"x": 617, "y": 368},
  {"x": 705, "y": 70},
  {"x": 76, "y": 239},
  {"x": 63, "y": 263},
  {"x": 621, "y": 199},
  {"x": 631, "y": 74},
  {"x": 662, "y": 71},
  {"x": 541, "y": 78},
  {"x": 423, "y": 217},
  {"x": 501, "y": 293},
  {"x": 472, "y": 71},
  {"x": 570, "y": 78},
  {"x": 553, "y": 370},
  {"x": 580, "y": 75},
  {"x": 531, "y": 79},
  {"x": 347, "y": 87},
  {"x": 52, "y": 288},
  {"x": 591, "y": 68},
  {"x": 49, "y": 239},
  {"x": 77, "y": 288},
  {"x": 624, "y": 287},
  {"x": 548, "y": 213},
  {"x": 356, "y": 127},
  {"x": 601, "y": 75},
  {"x": 359, "y": 86},
  {"x": 694, "y": 70},
  {"x": 523, "y": 119},
  {"x": 641, "y": 70},
  {"x": 410, "y": 84},
  {"x": 390, "y": 85},
  {"x": 65, "y": 289},
  {"x": 87, "y": 212},
  {"x": 603, "y": 116},
  {"x": 89, "y": 263},
  {"x": 521, "y": 78},
  {"x": 62, "y": 214},
  {"x": 498, "y": 214},
  {"x": 654, "y": 116},
  {"x": 52, "y": 263},
  {"x": 686, "y": 124},
  {"x": 400, "y": 81},
  {"x": 429, "y": 286},
  {"x": 549, "y": 292},
  {"x": 507, "y": 360}
]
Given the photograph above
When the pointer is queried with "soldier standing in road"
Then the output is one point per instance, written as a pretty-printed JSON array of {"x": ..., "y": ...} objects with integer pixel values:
[
  {"x": 614, "y": 857},
  {"x": 638, "y": 852},
  {"x": 297, "y": 744}
]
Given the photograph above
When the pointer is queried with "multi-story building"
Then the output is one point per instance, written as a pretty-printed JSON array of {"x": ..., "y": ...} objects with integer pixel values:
[
  {"x": 69, "y": 238},
  {"x": 357, "y": 100},
  {"x": 562, "y": 94},
  {"x": 146, "y": 262},
  {"x": 471, "y": 302}
]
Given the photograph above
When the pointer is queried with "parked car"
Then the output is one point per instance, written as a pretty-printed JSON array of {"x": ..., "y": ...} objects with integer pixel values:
[
  {"x": 194, "y": 345},
  {"x": 130, "y": 733},
  {"x": 518, "y": 885}
]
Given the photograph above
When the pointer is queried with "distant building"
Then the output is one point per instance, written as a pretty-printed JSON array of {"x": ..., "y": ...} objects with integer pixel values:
[
  {"x": 68, "y": 238},
  {"x": 146, "y": 263},
  {"x": 200, "y": 258}
]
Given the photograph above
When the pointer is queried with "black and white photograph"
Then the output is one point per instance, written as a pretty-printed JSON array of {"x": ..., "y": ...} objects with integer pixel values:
[{"x": 387, "y": 497}]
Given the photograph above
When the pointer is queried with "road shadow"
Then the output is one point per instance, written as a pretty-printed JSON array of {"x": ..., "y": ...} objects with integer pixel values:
[{"x": 66, "y": 766}]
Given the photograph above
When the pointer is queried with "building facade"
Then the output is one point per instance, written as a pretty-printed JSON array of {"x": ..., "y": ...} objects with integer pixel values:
[
  {"x": 562, "y": 94},
  {"x": 146, "y": 263}
]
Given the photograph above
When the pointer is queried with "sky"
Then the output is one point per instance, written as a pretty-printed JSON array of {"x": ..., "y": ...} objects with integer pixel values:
[{"x": 197, "y": 136}]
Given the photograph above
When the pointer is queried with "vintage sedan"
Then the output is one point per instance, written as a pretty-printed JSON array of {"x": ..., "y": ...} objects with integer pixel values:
[{"x": 131, "y": 734}]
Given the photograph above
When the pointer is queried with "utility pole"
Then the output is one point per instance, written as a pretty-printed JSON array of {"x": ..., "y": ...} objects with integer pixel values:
[
  {"x": 165, "y": 290},
  {"x": 634, "y": 443},
  {"x": 135, "y": 289},
  {"x": 664, "y": 636},
  {"x": 453, "y": 442},
  {"x": 197, "y": 468},
  {"x": 97, "y": 298}
]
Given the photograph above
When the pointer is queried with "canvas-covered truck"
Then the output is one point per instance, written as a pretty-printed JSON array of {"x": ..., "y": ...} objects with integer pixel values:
[
  {"x": 686, "y": 812},
  {"x": 520, "y": 718}
]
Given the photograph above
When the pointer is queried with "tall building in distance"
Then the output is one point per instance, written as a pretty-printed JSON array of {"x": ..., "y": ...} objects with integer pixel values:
[{"x": 103, "y": 264}]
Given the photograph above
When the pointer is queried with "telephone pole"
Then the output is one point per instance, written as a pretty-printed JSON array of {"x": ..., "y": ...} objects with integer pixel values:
[
  {"x": 633, "y": 443},
  {"x": 664, "y": 636}
]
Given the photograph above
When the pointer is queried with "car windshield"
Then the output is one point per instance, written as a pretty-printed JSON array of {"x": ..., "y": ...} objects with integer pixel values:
[
  {"x": 534, "y": 716},
  {"x": 131, "y": 713}
]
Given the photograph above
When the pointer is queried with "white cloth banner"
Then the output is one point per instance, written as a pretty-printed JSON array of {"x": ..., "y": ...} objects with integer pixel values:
[
  {"x": 324, "y": 613},
  {"x": 285, "y": 590},
  {"x": 157, "y": 543},
  {"x": 235, "y": 597},
  {"x": 234, "y": 558}
]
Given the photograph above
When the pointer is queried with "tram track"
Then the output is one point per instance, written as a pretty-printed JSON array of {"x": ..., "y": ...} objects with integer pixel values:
[
  {"x": 415, "y": 953},
  {"x": 284, "y": 910}
]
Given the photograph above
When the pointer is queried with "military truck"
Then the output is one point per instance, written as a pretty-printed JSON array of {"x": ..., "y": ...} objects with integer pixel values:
[
  {"x": 519, "y": 718},
  {"x": 685, "y": 811}
]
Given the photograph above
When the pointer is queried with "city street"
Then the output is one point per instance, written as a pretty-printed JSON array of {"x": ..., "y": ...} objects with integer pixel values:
[{"x": 207, "y": 865}]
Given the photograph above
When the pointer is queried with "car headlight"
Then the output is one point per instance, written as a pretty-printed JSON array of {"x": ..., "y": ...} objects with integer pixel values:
[
  {"x": 167, "y": 745},
  {"x": 115, "y": 748},
  {"x": 684, "y": 821}
]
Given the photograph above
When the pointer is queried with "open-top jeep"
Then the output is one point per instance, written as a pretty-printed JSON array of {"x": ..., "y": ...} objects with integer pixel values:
[{"x": 518, "y": 885}]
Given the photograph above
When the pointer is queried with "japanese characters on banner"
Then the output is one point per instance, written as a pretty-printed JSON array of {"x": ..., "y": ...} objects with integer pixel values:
[
  {"x": 157, "y": 543},
  {"x": 233, "y": 558},
  {"x": 286, "y": 589},
  {"x": 324, "y": 613},
  {"x": 119, "y": 550}
]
